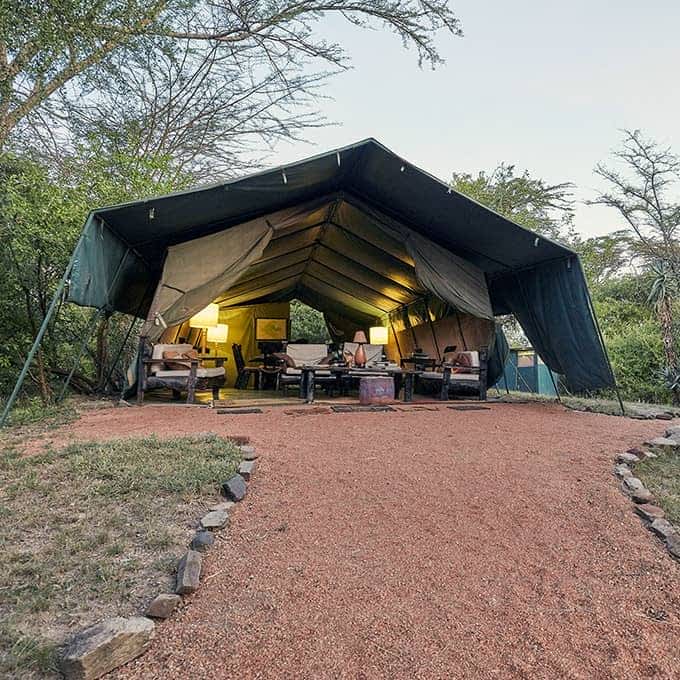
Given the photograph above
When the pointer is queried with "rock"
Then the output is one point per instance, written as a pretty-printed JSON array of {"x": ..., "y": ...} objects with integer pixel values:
[
  {"x": 628, "y": 458},
  {"x": 247, "y": 468},
  {"x": 663, "y": 443},
  {"x": 202, "y": 540},
  {"x": 649, "y": 512},
  {"x": 188, "y": 573},
  {"x": 235, "y": 488},
  {"x": 622, "y": 470},
  {"x": 662, "y": 527},
  {"x": 226, "y": 506},
  {"x": 664, "y": 416},
  {"x": 163, "y": 605},
  {"x": 648, "y": 454},
  {"x": 107, "y": 645},
  {"x": 673, "y": 545},
  {"x": 216, "y": 519},
  {"x": 248, "y": 452},
  {"x": 633, "y": 484},
  {"x": 642, "y": 496},
  {"x": 673, "y": 432},
  {"x": 636, "y": 451}
]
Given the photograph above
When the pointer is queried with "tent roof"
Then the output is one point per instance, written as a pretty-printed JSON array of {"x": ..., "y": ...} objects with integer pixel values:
[
  {"x": 316, "y": 229},
  {"x": 367, "y": 171}
]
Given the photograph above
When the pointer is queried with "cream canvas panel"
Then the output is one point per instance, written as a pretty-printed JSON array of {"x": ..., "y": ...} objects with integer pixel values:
[{"x": 196, "y": 272}]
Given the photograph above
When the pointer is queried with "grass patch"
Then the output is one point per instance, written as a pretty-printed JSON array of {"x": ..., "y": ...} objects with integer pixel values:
[
  {"x": 661, "y": 476},
  {"x": 608, "y": 407},
  {"x": 94, "y": 530},
  {"x": 33, "y": 411}
]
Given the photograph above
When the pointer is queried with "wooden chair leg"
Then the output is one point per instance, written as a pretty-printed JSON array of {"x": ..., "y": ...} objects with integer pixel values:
[{"x": 215, "y": 393}]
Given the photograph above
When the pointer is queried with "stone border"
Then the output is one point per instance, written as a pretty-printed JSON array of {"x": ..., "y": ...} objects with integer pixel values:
[
  {"x": 101, "y": 648},
  {"x": 652, "y": 516}
]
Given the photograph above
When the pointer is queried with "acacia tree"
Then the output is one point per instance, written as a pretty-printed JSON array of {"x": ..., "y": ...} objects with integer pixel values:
[
  {"x": 197, "y": 73},
  {"x": 545, "y": 208},
  {"x": 644, "y": 191}
]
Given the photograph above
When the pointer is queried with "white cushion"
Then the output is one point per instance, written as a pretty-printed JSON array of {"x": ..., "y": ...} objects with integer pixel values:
[
  {"x": 307, "y": 355},
  {"x": 157, "y": 353},
  {"x": 433, "y": 375},
  {"x": 200, "y": 373}
]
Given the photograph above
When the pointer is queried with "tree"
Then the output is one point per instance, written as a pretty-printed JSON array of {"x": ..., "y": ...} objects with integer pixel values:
[
  {"x": 643, "y": 189},
  {"x": 547, "y": 209},
  {"x": 198, "y": 73},
  {"x": 307, "y": 323},
  {"x": 604, "y": 256}
]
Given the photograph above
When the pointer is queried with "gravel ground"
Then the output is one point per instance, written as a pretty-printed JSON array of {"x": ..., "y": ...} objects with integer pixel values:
[{"x": 430, "y": 544}]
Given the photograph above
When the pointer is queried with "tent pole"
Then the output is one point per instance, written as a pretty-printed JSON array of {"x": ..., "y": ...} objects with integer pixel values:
[
  {"x": 552, "y": 377},
  {"x": 83, "y": 345},
  {"x": 434, "y": 335},
  {"x": 604, "y": 346},
  {"x": 41, "y": 333},
  {"x": 396, "y": 340}
]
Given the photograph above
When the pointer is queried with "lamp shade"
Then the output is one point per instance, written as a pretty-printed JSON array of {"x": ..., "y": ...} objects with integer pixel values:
[
  {"x": 206, "y": 317},
  {"x": 218, "y": 333},
  {"x": 360, "y": 336},
  {"x": 378, "y": 335}
]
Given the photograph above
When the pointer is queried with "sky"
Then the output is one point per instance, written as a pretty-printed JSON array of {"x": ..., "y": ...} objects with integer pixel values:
[{"x": 544, "y": 85}]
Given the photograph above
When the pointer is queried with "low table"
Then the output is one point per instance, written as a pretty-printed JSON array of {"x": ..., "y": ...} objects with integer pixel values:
[{"x": 400, "y": 376}]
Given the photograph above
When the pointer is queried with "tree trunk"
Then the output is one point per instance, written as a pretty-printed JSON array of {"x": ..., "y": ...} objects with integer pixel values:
[
  {"x": 45, "y": 389},
  {"x": 102, "y": 352},
  {"x": 665, "y": 313}
]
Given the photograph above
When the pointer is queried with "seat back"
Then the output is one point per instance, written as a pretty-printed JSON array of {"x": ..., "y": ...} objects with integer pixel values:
[
  {"x": 311, "y": 355},
  {"x": 239, "y": 361},
  {"x": 373, "y": 352},
  {"x": 159, "y": 348}
]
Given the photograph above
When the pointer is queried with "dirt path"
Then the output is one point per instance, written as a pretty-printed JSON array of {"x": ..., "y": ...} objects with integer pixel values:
[{"x": 486, "y": 544}]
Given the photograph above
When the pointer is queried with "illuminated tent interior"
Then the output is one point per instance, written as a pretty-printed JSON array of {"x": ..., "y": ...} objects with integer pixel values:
[{"x": 357, "y": 233}]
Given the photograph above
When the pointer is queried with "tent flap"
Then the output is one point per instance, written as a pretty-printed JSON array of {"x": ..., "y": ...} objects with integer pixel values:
[{"x": 551, "y": 303}]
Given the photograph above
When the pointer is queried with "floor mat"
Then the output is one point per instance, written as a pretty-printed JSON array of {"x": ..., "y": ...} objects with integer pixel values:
[
  {"x": 469, "y": 407},
  {"x": 317, "y": 410},
  {"x": 366, "y": 409},
  {"x": 237, "y": 411}
]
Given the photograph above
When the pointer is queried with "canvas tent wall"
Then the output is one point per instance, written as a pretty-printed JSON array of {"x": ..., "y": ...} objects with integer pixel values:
[{"x": 362, "y": 189}]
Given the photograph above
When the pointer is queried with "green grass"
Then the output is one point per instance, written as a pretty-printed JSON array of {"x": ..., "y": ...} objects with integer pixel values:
[
  {"x": 94, "y": 530},
  {"x": 661, "y": 476},
  {"x": 33, "y": 411}
]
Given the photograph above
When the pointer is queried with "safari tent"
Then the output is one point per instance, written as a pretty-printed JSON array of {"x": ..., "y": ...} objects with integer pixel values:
[{"x": 357, "y": 233}]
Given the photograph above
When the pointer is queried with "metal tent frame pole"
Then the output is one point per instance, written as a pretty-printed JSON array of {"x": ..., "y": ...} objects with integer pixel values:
[{"x": 41, "y": 332}]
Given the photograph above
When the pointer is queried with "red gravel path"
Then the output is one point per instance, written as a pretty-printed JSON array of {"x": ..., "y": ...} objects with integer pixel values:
[{"x": 484, "y": 544}]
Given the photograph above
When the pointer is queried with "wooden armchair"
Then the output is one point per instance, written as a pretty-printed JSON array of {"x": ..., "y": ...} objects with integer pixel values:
[
  {"x": 243, "y": 371},
  {"x": 462, "y": 376},
  {"x": 186, "y": 374}
]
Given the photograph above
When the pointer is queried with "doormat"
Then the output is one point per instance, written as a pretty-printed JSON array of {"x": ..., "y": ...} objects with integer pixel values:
[
  {"x": 315, "y": 411},
  {"x": 360, "y": 409},
  {"x": 469, "y": 407},
  {"x": 417, "y": 408},
  {"x": 237, "y": 411}
]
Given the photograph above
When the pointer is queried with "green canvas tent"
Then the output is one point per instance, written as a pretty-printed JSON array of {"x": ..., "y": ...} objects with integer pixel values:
[{"x": 357, "y": 232}]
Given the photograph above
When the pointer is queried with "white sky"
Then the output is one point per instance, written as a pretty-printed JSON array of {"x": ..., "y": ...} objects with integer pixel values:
[{"x": 541, "y": 84}]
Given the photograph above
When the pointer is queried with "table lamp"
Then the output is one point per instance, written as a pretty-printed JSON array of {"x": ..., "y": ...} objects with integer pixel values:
[
  {"x": 360, "y": 354},
  {"x": 218, "y": 333},
  {"x": 378, "y": 336},
  {"x": 206, "y": 318}
]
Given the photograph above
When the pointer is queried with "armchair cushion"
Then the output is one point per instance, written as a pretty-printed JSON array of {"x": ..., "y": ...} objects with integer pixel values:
[
  {"x": 311, "y": 355},
  {"x": 157, "y": 353}
]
